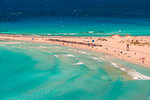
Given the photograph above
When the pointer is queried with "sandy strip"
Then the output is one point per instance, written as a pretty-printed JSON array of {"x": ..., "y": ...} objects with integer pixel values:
[{"x": 138, "y": 53}]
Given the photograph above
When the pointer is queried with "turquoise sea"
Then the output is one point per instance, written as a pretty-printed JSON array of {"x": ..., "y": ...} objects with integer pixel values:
[
  {"x": 77, "y": 26},
  {"x": 36, "y": 71}
]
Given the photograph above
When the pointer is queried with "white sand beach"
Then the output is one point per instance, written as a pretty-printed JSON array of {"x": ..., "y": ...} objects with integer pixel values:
[{"x": 139, "y": 46}]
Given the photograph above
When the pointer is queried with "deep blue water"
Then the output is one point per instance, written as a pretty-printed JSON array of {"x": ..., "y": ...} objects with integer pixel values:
[
  {"x": 47, "y": 72},
  {"x": 99, "y": 8},
  {"x": 103, "y": 17}
]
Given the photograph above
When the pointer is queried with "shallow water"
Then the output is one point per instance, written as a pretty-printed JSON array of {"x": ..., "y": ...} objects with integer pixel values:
[{"x": 49, "y": 72}]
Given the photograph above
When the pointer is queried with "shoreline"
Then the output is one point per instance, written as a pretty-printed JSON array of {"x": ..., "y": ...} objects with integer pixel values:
[
  {"x": 50, "y": 36},
  {"x": 114, "y": 45},
  {"x": 21, "y": 34}
]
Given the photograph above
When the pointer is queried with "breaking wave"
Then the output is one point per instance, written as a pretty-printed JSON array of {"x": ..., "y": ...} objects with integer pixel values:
[
  {"x": 79, "y": 63},
  {"x": 69, "y": 55},
  {"x": 132, "y": 72}
]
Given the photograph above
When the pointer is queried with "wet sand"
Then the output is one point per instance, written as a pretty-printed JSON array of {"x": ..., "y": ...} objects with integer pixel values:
[{"x": 133, "y": 49}]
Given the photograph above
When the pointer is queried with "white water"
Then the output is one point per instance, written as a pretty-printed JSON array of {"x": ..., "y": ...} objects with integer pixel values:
[
  {"x": 132, "y": 72},
  {"x": 79, "y": 63},
  {"x": 56, "y": 56},
  {"x": 69, "y": 55}
]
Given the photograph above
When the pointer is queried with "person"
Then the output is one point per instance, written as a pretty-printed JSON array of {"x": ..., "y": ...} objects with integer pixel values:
[
  {"x": 143, "y": 60},
  {"x": 106, "y": 48},
  {"x": 127, "y": 47}
]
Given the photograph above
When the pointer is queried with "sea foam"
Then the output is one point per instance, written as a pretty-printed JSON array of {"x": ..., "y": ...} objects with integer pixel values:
[
  {"x": 97, "y": 59},
  {"x": 56, "y": 56},
  {"x": 79, "y": 63},
  {"x": 132, "y": 72},
  {"x": 79, "y": 51},
  {"x": 69, "y": 55},
  {"x": 82, "y": 52}
]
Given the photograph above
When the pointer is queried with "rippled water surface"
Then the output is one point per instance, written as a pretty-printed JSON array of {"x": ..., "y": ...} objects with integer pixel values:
[
  {"x": 77, "y": 26},
  {"x": 36, "y": 71}
]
